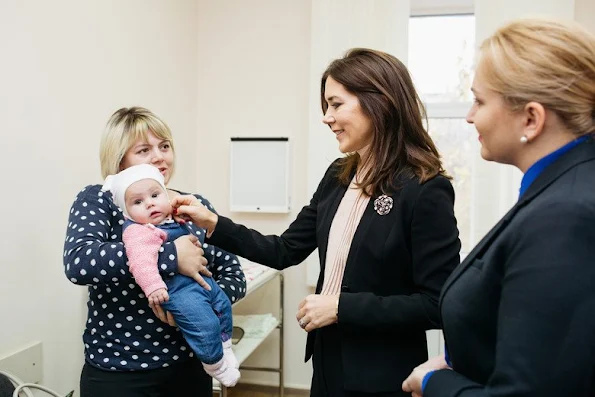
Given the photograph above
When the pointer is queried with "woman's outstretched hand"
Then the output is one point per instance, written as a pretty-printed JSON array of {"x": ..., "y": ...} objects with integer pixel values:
[{"x": 188, "y": 208}]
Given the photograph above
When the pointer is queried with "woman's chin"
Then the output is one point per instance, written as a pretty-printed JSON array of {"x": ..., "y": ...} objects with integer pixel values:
[
  {"x": 343, "y": 148},
  {"x": 485, "y": 154}
]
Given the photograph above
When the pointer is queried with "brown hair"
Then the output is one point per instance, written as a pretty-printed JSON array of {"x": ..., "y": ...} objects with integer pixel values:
[
  {"x": 400, "y": 143},
  {"x": 546, "y": 61}
]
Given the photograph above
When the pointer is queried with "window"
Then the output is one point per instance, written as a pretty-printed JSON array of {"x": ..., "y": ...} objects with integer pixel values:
[
  {"x": 441, "y": 50},
  {"x": 441, "y": 53}
]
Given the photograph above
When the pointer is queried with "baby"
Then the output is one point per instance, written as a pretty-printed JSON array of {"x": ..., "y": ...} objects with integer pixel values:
[{"x": 204, "y": 317}]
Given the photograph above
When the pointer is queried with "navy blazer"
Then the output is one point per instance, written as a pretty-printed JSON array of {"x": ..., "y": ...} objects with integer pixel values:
[
  {"x": 395, "y": 270},
  {"x": 519, "y": 313}
]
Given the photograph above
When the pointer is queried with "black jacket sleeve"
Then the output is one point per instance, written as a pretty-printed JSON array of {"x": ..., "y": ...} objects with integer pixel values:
[
  {"x": 279, "y": 252},
  {"x": 225, "y": 266}
]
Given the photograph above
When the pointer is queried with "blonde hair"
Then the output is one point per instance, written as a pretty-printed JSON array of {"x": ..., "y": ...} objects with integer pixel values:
[
  {"x": 546, "y": 61},
  {"x": 125, "y": 127}
]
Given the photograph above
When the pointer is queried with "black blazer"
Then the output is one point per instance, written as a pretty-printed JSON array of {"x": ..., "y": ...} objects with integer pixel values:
[
  {"x": 519, "y": 313},
  {"x": 396, "y": 267}
]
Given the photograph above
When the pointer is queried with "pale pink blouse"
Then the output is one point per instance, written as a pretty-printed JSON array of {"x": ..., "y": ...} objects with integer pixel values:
[{"x": 350, "y": 212}]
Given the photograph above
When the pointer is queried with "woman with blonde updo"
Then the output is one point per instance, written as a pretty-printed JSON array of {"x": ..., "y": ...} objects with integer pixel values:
[{"x": 519, "y": 313}]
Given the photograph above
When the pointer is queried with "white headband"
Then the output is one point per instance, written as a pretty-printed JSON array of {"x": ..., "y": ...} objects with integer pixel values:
[{"x": 119, "y": 183}]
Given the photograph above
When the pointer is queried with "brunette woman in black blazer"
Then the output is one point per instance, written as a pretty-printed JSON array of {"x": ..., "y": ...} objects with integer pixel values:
[
  {"x": 519, "y": 313},
  {"x": 382, "y": 220}
]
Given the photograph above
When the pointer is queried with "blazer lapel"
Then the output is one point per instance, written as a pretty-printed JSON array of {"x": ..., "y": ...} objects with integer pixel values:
[
  {"x": 479, "y": 248},
  {"x": 582, "y": 153}
]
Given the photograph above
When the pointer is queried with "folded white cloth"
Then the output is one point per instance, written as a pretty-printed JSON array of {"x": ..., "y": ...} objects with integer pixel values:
[{"x": 255, "y": 325}]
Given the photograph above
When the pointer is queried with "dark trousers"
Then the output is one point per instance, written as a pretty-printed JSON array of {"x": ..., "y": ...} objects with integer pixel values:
[
  {"x": 180, "y": 379},
  {"x": 327, "y": 379}
]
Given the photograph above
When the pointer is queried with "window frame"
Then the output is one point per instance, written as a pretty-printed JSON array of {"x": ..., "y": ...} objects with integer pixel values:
[
  {"x": 452, "y": 109},
  {"x": 449, "y": 110}
]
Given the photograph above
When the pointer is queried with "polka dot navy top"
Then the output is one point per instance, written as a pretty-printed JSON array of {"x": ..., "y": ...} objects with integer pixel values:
[{"x": 122, "y": 333}]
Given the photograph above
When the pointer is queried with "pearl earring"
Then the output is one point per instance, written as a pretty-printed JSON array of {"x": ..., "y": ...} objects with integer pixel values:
[{"x": 524, "y": 139}]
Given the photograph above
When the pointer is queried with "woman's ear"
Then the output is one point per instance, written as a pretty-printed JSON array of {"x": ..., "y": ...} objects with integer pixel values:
[{"x": 534, "y": 115}]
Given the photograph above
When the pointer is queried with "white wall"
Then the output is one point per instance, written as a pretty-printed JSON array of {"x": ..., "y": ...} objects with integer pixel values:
[
  {"x": 439, "y": 7},
  {"x": 66, "y": 66},
  {"x": 253, "y": 79},
  {"x": 584, "y": 11}
]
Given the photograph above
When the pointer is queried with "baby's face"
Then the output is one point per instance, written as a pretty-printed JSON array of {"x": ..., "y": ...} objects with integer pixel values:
[{"x": 146, "y": 202}]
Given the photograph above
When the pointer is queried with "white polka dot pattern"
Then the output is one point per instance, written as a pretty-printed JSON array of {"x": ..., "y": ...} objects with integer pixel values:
[{"x": 121, "y": 331}]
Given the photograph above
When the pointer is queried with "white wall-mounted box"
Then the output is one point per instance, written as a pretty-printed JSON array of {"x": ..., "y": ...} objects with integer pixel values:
[{"x": 260, "y": 175}]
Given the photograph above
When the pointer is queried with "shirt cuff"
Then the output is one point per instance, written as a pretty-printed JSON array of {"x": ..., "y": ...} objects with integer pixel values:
[{"x": 425, "y": 380}]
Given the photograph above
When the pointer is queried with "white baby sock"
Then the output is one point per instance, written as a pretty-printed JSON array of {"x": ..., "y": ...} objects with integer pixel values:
[
  {"x": 229, "y": 355},
  {"x": 224, "y": 373}
]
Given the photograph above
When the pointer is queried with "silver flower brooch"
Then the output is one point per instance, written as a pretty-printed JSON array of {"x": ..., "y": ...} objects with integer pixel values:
[{"x": 383, "y": 204}]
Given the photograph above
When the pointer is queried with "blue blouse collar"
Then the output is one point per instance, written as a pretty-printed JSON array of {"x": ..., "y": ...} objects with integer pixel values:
[{"x": 536, "y": 169}]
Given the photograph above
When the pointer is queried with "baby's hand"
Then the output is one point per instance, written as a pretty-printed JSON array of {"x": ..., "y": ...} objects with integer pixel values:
[{"x": 158, "y": 297}]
